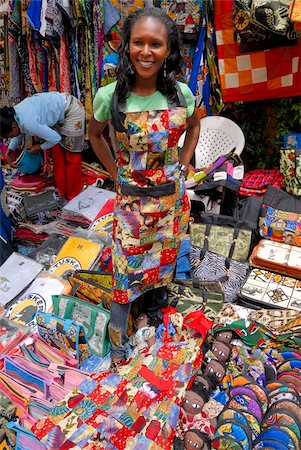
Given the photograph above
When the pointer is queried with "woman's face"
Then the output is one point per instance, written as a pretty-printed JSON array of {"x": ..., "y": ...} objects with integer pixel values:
[{"x": 148, "y": 47}]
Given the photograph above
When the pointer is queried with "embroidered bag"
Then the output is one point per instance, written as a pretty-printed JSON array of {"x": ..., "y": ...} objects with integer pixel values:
[
  {"x": 187, "y": 299},
  {"x": 290, "y": 166},
  {"x": 231, "y": 240},
  {"x": 93, "y": 318},
  {"x": 95, "y": 287},
  {"x": 64, "y": 335}
]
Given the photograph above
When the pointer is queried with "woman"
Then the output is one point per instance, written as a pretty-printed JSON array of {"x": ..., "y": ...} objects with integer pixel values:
[
  {"x": 149, "y": 111},
  {"x": 58, "y": 119}
]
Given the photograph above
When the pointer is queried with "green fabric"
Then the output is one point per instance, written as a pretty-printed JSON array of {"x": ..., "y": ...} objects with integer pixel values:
[{"x": 136, "y": 103}]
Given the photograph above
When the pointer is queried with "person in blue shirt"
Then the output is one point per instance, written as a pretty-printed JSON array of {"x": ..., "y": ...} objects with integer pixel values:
[{"x": 58, "y": 120}]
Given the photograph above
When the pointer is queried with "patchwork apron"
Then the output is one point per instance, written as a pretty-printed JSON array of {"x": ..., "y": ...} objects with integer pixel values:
[{"x": 152, "y": 208}]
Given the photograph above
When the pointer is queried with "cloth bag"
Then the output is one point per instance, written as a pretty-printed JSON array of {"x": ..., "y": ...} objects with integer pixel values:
[
  {"x": 95, "y": 287},
  {"x": 223, "y": 235},
  {"x": 63, "y": 334},
  {"x": 93, "y": 318},
  {"x": 290, "y": 167}
]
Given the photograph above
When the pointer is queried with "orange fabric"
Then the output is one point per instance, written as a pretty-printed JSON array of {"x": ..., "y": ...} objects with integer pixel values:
[{"x": 256, "y": 75}]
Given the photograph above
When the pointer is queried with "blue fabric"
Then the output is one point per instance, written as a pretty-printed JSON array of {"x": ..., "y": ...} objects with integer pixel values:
[
  {"x": 182, "y": 271},
  {"x": 112, "y": 16},
  {"x": 36, "y": 115},
  {"x": 34, "y": 13},
  {"x": 5, "y": 225},
  {"x": 29, "y": 163}
]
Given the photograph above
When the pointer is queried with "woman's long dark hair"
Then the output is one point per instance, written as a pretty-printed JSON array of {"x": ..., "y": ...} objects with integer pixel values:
[
  {"x": 125, "y": 75},
  {"x": 7, "y": 118}
]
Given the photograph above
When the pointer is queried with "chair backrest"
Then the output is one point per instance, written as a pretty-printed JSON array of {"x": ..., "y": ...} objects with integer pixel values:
[{"x": 218, "y": 136}]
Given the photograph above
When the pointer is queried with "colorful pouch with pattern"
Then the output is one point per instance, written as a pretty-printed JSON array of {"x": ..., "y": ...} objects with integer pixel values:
[
  {"x": 44, "y": 352},
  {"x": 291, "y": 364},
  {"x": 274, "y": 444},
  {"x": 240, "y": 416},
  {"x": 282, "y": 434},
  {"x": 64, "y": 335},
  {"x": 236, "y": 430},
  {"x": 25, "y": 438},
  {"x": 282, "y": 417},
  {"x": 93, "y": 318},
  {"x": 263, "y": 288},
  {"x": 95, "y": 287},
  {"x": 187, "y": 299},
  {"x": 280, "y": 226},
  {"x": 223, "y": 235}
]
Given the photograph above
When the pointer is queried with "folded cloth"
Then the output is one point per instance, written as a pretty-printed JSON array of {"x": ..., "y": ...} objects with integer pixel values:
[{"x": 256, "y": 181}]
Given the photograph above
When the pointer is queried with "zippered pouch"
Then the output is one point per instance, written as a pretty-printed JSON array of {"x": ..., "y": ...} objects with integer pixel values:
[
  {"x": 93, "y": 318},
  {"x": 25, "y": 438},
  {"x": 47, "y": 353},
  {"x": 64, "y": 335},
  {"x": 25, "y": 376},
  {"x": 95, "y": 287}
]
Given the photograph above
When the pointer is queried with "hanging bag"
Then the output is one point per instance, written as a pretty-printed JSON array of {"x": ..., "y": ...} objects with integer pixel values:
[{"x": 93, "y": 318}]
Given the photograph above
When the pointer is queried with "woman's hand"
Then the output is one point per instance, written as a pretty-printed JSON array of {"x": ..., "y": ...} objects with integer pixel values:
[{"x": 9, "y": 158}]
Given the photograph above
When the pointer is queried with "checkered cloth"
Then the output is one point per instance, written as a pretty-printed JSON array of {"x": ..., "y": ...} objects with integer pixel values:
[
  {"x": 256, "y": 182},
  {"x": 256, "y": 75}
]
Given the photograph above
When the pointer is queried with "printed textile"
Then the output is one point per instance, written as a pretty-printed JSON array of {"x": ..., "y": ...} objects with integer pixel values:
[
  {"x": 152, "y": 206},
  {"x": 253, "y": 76},
  {"x": 136, "y": 408}
]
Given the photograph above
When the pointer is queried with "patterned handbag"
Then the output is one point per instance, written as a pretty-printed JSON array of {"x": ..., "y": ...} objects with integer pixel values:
[
  {"x": 94, "y": 287},
  {"x": 223, "y": 235},
  {"x": 209, "y": 266},
  {"x": 270, "y": 290},
  {"x": 187, "y": 299},
  {"x": 64, "y": 335},
  {"x": 290, "y": 167},
  {"x": 281, "y": 226},
  {"x": 93, "y": 318}
]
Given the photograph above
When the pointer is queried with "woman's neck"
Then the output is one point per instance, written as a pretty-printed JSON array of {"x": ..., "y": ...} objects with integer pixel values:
[{"x": 144, "y": 87}]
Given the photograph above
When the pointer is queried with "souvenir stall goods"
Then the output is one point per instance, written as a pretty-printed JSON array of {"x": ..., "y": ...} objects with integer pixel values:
[
  {"x": 48, "y": 250},
  {"x": 290, "y": 166},
  {"x": 85, "y": 207},
  {"x": 38, "y": 297},
  {"x": 282, "y": 258},
  {"x": 77, "y": 253},
  {"x": 64, "y": 335},
  {"x": 270, "y": 290},
  {"x": 11, "y": 334},
  {"x": 257, "y": 181},
  {"x": 16, "y": 273},
  {"x": 281, "y": 226},
  {"x": 92, "y": 286},
  {"x": 137, "y": 404},
  {"x": 93, "y": 318}
]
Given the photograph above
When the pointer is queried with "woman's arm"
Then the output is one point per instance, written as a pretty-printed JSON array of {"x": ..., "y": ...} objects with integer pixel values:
[
  {"x": 101, "y": 147},
  {"x": 191, "y": 139}
]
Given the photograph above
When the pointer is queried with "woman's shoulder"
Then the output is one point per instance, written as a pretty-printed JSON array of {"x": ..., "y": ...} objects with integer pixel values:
[
  {"x": 107, "y": 91},
  {"x": 184, "y": 88}
]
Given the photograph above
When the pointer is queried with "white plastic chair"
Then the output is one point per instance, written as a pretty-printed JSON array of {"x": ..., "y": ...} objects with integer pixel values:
[{"x": 218, "y": 136}]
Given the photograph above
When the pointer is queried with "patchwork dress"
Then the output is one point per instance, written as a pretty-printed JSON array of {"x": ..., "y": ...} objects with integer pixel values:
[{"x": 152, "y": 208}]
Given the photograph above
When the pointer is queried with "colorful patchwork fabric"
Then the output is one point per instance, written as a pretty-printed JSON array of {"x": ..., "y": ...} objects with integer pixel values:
[
  {"x": 256, "y": 181},
  {"x": 152, "y": 208},
  {"x": 281, "y": 226},
  {"x": 137, "y": 407},
  {"x": 253, "y": 76}
]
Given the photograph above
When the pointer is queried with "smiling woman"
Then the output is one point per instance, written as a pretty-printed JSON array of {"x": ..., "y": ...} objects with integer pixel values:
[{"x": 149, "y": 111}]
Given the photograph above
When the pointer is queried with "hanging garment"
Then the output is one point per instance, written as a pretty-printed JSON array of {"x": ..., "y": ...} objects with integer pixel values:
[
  {"x": 152, "y": 207},
  {"x": 253, "y": 76}
]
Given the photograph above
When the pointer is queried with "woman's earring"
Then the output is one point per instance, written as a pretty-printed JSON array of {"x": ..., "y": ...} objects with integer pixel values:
[
  {"x": 164, "y": 69},
  {"x": 131, "y": 69}
]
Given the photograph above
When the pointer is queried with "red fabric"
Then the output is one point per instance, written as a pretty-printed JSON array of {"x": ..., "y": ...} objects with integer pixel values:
[
  {"x": 256, "y": 181},
  {"x": 255, "y": 75},
  {"x": 67, "y": 171}
]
